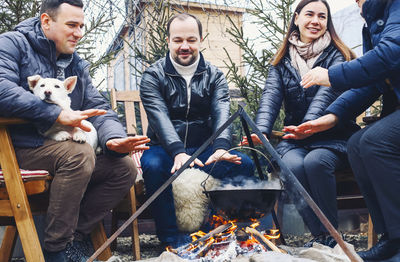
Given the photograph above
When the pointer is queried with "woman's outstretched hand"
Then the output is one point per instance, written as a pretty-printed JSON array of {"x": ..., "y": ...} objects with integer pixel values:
[
  {"x": 318, "y": 125},
  {"x": 293, "y": 133}
]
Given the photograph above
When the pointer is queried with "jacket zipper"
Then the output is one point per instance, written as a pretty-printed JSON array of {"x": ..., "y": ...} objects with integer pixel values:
[
  {"x": 189, "y": 96},
  {"x": 188, "y": 102}
]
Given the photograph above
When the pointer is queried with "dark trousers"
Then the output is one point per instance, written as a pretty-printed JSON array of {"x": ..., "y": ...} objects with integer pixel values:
[
  {"x": 374, "y": 155},
  {"x": 315, "y": 170},
  {"x": 157, "y": 164},
  {"x": 84, "y": 189}
]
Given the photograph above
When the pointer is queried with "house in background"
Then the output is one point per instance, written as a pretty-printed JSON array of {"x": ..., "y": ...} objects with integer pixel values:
[{"x": 123, "y": 73}]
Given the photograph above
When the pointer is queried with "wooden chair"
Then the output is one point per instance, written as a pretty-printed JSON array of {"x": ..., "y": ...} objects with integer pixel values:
[
  {"x": 136, "y": 123},
  {"x": 19, "y": 199}
]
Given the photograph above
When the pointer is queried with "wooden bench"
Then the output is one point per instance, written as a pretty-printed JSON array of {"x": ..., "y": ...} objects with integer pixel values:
[{"x": 20, "y": 199}]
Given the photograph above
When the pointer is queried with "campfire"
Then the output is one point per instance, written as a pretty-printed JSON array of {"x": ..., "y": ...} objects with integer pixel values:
[{"x": 228, "y": 240}]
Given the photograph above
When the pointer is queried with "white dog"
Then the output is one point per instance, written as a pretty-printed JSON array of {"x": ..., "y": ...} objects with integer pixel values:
[{"x": 52, "y": 90}]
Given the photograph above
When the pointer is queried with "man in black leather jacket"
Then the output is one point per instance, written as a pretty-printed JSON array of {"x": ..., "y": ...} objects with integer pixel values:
[{"x": 186, "y": 100}]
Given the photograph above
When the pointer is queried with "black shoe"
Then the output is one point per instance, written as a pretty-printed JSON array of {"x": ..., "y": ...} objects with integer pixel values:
[
  {"x": 76, "y": 253},
  {"x": 84, "y": 246},
  {"x": 384, "y": 249},
  {"x": 326, "y": 240},
  {"x": 330, "y": 242}
]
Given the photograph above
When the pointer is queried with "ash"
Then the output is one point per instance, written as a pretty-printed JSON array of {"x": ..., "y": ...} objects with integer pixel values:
[{"x": 151, "y": 251}]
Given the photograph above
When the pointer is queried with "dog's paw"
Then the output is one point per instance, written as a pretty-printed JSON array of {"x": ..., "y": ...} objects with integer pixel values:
[
  {"x": 61, "y": 136},
  {"x": 79, "y": 136}
]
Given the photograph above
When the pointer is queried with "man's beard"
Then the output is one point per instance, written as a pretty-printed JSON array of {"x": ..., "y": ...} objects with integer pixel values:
[{"x": 185, "y": 62}]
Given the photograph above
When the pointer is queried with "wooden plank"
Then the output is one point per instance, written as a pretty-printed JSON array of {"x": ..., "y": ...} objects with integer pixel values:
[
  {"x": 372, "y": 237},
  {"x": 3, "y": 193},
  {"x": 5, "y": 209},
  {"x": 8, "y": 244},
  {"x": 130, "y": 117},
  {"x": 143, "y": 118},
  {"x": 36, "y": 187},
  {"x": 113, "y": 99},
  {"x": 98, "y": 236},
  {"x": 11, "y": 121},
  {"x": 124, "y": 96},
  {"x": 19, "y": 201},
  {"x": 31, "y": 187},
  {"x": 135, "y": 229}
]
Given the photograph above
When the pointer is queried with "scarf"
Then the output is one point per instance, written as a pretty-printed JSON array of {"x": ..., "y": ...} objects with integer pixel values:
[{"x": 304, "y": 55}]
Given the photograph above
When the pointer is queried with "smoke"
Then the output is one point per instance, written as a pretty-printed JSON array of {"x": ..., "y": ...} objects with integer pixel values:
[{"x": 242, "y": 182}]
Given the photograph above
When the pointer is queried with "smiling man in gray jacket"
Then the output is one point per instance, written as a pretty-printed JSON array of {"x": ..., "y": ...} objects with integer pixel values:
[{"x": 85, "y": 186}]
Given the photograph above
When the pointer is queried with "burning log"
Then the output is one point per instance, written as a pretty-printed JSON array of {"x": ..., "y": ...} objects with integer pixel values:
[
  {"x": 212, "y": 233},
  {"x": 263, "y": 239}
]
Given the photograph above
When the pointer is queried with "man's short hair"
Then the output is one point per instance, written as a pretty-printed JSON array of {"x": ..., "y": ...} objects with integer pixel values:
[
  {"x": 51, "y": 6},
  {"x": 182, "y": 17}
]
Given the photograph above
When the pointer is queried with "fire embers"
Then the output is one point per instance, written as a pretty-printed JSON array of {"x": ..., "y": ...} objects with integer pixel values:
[{"x": 227, "y": 241}]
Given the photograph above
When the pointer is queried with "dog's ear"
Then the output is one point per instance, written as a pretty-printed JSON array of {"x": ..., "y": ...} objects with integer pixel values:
[
  {"x": 70, "y": 83},
  {"x": 33, "y": 80}
]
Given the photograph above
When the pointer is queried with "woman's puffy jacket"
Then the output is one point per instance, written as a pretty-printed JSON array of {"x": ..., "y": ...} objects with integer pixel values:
[{"x": 301, "y": 105}]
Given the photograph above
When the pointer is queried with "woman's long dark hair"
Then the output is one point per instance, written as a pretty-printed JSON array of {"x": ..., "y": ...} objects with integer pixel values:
[{"x": 283, "y": 49}]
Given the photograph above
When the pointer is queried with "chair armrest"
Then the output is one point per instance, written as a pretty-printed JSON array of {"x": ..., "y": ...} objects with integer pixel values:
[
  {"x": 370, "y": 119},
  {"x": 11, "y": 121},
  {"x": 277, "y": 134}
]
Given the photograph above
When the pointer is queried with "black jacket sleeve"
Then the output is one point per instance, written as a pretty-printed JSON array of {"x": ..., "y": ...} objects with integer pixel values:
[
  {"x": 271, "y": 101},
  {"x": 220, "y": 106},
  {"x": 157, "y": 113}
]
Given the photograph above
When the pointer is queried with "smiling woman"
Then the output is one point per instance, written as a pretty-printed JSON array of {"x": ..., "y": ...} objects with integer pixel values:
[
  {"x": 312, "y": 21},
  {"x": 311, "y": 41}
]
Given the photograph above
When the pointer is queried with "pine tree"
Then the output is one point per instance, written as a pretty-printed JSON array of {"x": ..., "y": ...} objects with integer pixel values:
[{"x": 272, "y": 18}]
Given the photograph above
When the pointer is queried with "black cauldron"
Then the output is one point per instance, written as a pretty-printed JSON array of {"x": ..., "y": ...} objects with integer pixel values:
[{"x": 243, "y": 204}]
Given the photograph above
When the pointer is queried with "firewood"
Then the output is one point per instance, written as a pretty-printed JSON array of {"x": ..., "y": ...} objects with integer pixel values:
[{"x": 264, "y": 239}]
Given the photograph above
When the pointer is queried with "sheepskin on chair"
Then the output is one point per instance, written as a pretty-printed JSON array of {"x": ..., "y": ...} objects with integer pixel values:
[{"x": 190, "y": 202}]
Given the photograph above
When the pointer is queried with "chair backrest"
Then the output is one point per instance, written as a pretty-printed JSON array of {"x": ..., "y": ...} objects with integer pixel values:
[{"x": 134, "y": 113}]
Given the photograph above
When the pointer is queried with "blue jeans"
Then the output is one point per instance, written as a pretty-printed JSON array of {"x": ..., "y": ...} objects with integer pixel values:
[
  {"x": 374, "y": 155},
  {"x": 157, "y": 164},
  {"x": 315, "y": 170}
]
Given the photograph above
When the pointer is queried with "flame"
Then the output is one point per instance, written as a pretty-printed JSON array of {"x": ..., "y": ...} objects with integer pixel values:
[
  {"x": 251, "y": 241},
  {"x": 170, "y": 249},
  {"x": 219, "y": 220},
  {"x": 255, "y": 224},
  {"x": 197, "y": 235},
  {"x": 203, "y": 246},
  {"x": 273, "y": 234}
]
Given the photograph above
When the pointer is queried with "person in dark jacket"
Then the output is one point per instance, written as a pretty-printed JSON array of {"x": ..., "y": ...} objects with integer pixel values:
[
  {"x": 311, "y": 41},
  {"x": 85, "y": 186},
  {"x": 186, "y": 100},
  {"x": 374, "y": 150}
]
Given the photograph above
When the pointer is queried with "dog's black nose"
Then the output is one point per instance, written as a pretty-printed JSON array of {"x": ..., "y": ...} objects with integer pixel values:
[{"x": 47, "y": 93}]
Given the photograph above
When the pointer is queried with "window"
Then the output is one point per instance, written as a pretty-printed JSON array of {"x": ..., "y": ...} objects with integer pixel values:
[{"x": 119, "y": 75}]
